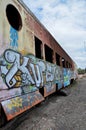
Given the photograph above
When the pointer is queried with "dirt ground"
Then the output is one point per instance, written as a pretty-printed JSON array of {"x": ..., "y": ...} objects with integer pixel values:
[{"x": 59, "y": 112}]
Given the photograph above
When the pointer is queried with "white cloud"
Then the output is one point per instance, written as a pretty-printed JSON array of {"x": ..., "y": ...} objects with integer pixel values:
[{"x": 66, "y": 21}]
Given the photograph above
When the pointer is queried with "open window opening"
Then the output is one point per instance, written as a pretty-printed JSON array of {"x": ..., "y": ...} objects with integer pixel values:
[
  {"x": 66, "y": 64},
  {"x": 63, "y": 62},
  {"x": 70, "y": 66},
  {"x": 48, "y": 54},
  {"x": 13, "y": 17},
  {"x": 38, "y": 48},
  {"x": 57, "y": 59}
]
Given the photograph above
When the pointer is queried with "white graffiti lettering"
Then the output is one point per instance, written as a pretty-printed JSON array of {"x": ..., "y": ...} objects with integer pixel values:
[
  {"x": 13, "y": 57},
  {"x": 36, "y": 74},
  {"x": 23, "y": 71}
]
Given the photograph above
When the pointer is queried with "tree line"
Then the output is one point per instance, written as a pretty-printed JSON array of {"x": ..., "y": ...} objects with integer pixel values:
[{"x": 81, "y": 71}]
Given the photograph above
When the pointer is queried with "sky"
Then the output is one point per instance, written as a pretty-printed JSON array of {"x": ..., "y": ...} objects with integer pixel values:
[{"x": 66, "y": 21}]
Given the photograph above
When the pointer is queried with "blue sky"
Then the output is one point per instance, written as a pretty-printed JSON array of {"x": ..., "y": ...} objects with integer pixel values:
[{"x": 66, "y": 21}]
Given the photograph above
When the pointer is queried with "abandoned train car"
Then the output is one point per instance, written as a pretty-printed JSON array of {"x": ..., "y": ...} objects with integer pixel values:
[{"x": 32, "y": 63}]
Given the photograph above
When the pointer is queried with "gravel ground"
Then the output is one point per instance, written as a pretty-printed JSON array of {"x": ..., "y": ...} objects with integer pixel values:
[{"x": 59, "y": 112}]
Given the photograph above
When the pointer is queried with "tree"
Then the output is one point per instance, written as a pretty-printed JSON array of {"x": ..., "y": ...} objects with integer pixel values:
[{"x": 81, "y": 71}]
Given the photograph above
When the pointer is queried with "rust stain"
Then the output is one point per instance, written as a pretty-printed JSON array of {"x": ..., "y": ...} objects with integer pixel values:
[
  {"x": 18, "y": 5},
  {"x": 18, "y": 105}
]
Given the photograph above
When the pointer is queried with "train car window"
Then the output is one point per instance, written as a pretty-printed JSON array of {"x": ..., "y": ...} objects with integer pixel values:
[
  {"x": 48, "y": 54},
  {"x": 69, "y": 65},
  {"x": 66, "y": 64},
  {"x": 13, "y": 17},
  {"x": 63, "y": 62},
  {"x": 57, "y": 59},
  {"x": 38, "y": 48}
]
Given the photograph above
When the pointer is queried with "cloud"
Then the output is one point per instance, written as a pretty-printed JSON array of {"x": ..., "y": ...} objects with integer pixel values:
[{"x": 66, "y": 21}]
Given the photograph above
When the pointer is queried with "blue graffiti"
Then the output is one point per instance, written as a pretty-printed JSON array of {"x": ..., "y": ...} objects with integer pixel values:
[
  {"x": 66, "y": 77},
  {"x": 13, "y": 38}
]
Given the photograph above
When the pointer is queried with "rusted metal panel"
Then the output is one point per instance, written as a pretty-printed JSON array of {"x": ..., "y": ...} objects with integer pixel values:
[
  {"x": 49, "y": 89},
  {"x": 29, "y": 21},
  {"x": 17, "y": 105},
  {"x": 9, "y": 93},
  {"x": 44, "y": 34},
  {"x": 38, "y": 30}
]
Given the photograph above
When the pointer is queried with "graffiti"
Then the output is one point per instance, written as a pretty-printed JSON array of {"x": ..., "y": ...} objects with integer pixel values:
[
  {"x": 42, "y": 69},
  {"x": 18, "y": 105},
  {"x": 15, "y": 102},
  {"x": 37, "y": 74},
  {"x": 14, "y": 59},
  {"x": 57, "y": 74},
  {"x": 66, "y": 77},
  {"x": 29, "y": 88},
  {"x": 49, "y": 87},
  {"x": 49, "y": 73},
  {"x": 23, "y": 71},
  {"x": 30, "y": 72},
  {"x": 13, "y": 38}
]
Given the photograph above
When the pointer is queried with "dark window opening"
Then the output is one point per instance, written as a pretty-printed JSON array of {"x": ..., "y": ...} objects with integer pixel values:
[
  {"x": 66, "y": 64},
  {"x": 57, "y": 59},
  {"x": 56, "y": 87},
  {"x": 38, "y": 46},
  {"x": 48, "y": 54},
  {"x": 13, "y": 17},
  {"x": 63, "y": 62},
  {"x": 70, "y": 66},
  {"x": 41, "y": 90}
]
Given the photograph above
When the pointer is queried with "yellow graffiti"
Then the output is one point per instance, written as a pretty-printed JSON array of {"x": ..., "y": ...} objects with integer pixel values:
[
  {"x": 16, "y": 102},
  {"x": 18, "y": 79}
]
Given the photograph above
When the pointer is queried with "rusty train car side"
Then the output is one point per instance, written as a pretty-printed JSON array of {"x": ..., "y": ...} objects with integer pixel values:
[{"x": 32, "y": 63}]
